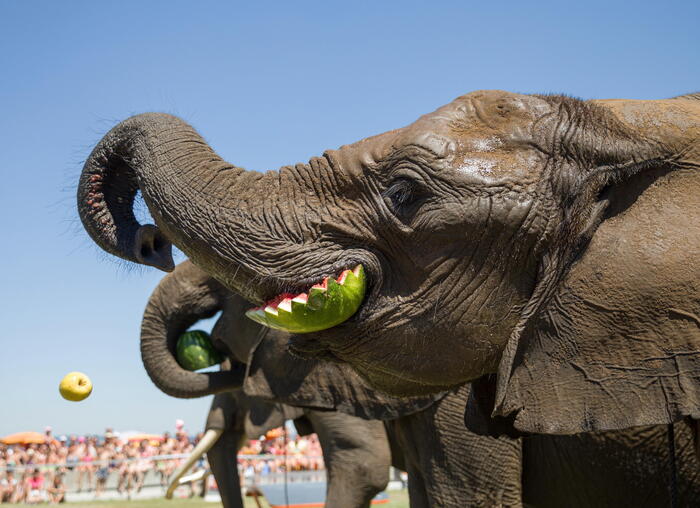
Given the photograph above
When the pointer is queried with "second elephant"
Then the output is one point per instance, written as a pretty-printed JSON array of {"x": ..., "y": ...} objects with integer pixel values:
[{"x": 355, "y": 451}]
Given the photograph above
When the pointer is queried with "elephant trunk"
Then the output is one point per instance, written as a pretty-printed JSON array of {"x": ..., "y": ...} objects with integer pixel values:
[
  {"x": 181, "y": 299},
  {"x": 185, "y": 184},
  {"x": 227, "y": 220}
]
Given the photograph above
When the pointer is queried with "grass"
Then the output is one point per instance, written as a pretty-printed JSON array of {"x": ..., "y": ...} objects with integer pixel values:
[{"x": 398, "y": 499}]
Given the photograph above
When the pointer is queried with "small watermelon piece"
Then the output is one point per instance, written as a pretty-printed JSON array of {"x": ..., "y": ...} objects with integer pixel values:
[
  {"x": 325, "y": 305},
  {"x": 195, "y": 351}
]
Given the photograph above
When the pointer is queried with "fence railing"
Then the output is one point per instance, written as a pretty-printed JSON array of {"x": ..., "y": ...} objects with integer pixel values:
[{"x": 136, "y": 473}]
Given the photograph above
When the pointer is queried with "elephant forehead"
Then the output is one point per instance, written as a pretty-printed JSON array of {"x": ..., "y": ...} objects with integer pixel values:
[
  {"x": 369, "y": 152},
  {"x": 484, "y": 134},
  {"x": 480, "y": 121},
  {"x": 492, "y": 133}
]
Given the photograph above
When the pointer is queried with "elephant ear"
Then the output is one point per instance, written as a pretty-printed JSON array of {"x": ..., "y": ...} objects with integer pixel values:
[
  {"x": 263, "y": 416},
  {"x": 276, "y": 374},
  {"x": 233, "y": 410},
  {"x": 611, "y": 336}
]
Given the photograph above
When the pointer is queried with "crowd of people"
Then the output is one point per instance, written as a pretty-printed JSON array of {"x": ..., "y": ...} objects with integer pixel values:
[
  {"x": 37, "y": 472},
  {"x": 276, "y": 453}
]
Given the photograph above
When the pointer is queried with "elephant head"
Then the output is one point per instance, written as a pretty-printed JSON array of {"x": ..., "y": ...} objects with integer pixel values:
[{"x": 474, "y": 225}]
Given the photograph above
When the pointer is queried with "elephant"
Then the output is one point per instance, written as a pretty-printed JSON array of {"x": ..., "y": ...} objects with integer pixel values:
[
  {"x": 447, "y": 465},
  {"x": 542, "y": 247},
  {"x": 356, "y": 451}
]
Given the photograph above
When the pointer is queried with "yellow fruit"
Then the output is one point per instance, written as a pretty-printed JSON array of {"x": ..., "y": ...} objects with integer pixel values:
[{"x": 75, "y": 386}]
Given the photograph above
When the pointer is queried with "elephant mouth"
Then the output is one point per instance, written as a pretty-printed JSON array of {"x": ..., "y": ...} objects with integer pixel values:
[{"x": 322, "y": 306}]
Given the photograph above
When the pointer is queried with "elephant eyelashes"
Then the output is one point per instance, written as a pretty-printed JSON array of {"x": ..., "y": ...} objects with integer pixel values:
[{"x": 402, "y": 196}]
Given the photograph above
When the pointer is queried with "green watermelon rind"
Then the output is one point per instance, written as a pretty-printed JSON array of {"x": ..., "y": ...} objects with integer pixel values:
[
  {"x": 195, "y": 351},
  {"x": 324, "y": 309}
]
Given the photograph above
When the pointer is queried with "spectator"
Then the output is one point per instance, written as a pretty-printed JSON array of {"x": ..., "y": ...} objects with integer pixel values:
[
  {"x": 56, "y": 493},
  {"x": 103, "y": 468},
  {"x": 36, "y": 472},
  {"x": 21, "y": 489},
  {"x": 123, "y": 469},
  {"x": 143, "y": 465},
  {"x": 34, "y": 488},
  {"x": 165, "y": 467},
  {"x": 8, "y": 485}
]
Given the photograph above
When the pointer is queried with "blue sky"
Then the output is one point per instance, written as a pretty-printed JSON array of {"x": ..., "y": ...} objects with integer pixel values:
[{"x": 267, "y": 84}]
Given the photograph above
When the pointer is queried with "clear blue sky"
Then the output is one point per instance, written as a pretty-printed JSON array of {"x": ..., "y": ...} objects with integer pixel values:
[{"x": 267, "y": 84}]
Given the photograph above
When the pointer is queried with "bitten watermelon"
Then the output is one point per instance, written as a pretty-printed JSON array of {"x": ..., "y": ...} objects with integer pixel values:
[
  {"x": 195, "y": 351},
  {"x": 326, "y": 305}
]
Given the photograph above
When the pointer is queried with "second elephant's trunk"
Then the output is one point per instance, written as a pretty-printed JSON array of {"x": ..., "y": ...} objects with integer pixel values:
[{"x": 180, "y": 300}]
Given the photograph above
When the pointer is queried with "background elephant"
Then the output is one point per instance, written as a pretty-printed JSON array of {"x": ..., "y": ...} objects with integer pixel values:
[
  {"x": 355, "y": 451},
  {"x": 494, "y": 233},
  {"x": 447, "y": 464}
]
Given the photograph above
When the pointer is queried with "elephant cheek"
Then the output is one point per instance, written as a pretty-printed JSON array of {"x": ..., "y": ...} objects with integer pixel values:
[{"x": 427, "y": 367}]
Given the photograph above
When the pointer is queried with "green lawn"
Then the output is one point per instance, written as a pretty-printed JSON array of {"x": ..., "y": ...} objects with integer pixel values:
[{"x": 399, "y": 499}]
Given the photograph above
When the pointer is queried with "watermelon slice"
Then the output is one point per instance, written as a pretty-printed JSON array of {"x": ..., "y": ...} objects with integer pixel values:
[
  {"x": 325, "y": 305},
  {"x": 195, "y": 351}
]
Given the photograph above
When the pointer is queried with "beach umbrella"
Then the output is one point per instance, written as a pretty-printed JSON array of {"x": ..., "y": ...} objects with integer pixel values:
[
  {"x": 147, "y": 437},
  {"x": 28, "y": 437},
  {"x": 140, "y": 436}
]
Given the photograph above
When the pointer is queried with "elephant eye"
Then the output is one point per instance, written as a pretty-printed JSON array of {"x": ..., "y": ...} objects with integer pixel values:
[{"x": 402, "y": 196}]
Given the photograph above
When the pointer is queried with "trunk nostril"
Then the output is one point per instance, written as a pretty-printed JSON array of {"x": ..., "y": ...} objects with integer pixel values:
[
  {"x": 146, "y": 251},
  {"x": 153, "y": 249}
]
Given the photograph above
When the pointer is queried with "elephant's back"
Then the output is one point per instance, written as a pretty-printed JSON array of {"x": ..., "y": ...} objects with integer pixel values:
[{"x": 629, "y": 467}]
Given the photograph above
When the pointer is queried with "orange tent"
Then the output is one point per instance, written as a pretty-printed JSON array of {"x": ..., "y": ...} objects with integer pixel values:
[{"x": 24, "y": 438}]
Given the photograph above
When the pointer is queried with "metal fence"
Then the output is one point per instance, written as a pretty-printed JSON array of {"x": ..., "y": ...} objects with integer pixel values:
[{"x": 134, "y": 474}]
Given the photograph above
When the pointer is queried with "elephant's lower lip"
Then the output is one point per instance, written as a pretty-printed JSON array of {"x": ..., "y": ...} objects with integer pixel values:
[{"x": 325, "y": 304}]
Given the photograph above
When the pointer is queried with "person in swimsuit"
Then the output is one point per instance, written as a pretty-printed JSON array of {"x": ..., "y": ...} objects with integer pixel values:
[
  {"x": 103, "y": 469},
  {"x": 20, "y": 494},
  {"x": 57, "y": 491},
  {"x": 8, "y": 485},
  {"x": 34, "y": 487}
]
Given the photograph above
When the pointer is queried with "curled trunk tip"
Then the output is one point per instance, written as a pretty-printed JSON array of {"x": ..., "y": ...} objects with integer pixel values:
[
  {"x": 181, "y": 299},
  {"x": 140, "y": 153}
]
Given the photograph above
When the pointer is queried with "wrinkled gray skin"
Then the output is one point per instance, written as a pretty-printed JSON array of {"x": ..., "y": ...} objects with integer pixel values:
[
  {"x": 356, "y": 451},
  {"x": 592, "y": 470},
  {"x": 448, "y": 466},
  {"x": 495, "y": 233},
  {"x": 426, "y": 435}
]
